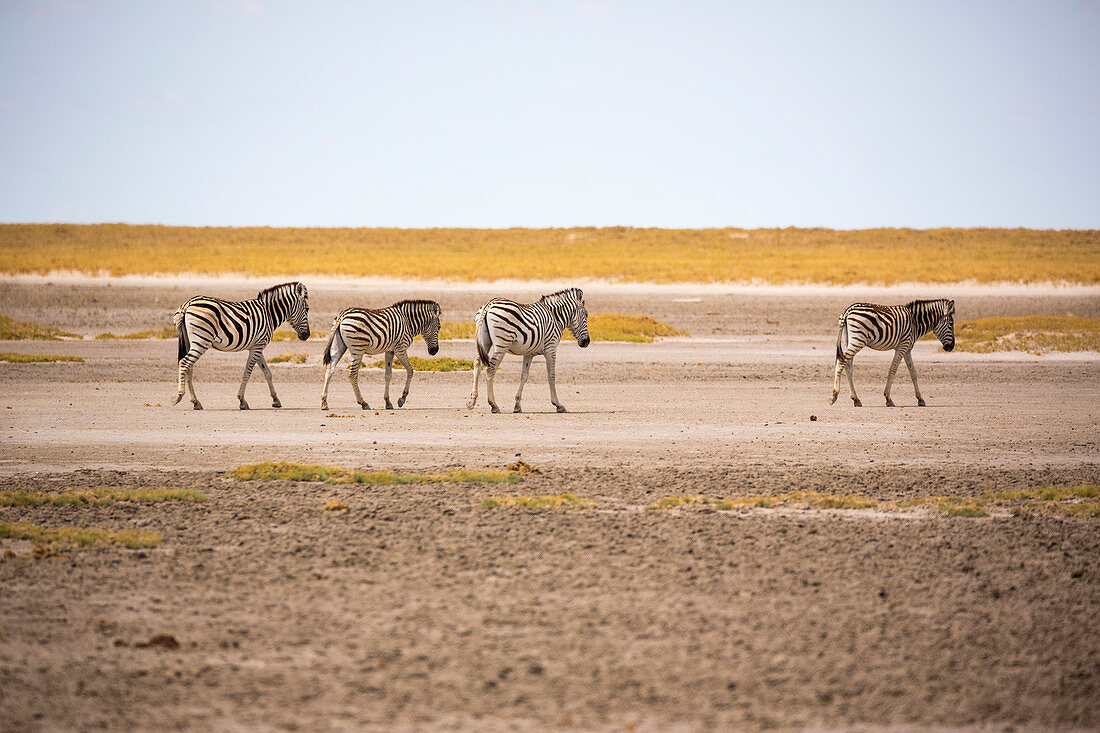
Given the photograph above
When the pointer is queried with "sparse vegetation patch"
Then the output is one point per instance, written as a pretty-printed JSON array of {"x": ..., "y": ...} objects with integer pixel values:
[
  {"x": 437, "y": 364},
  {"x": 36, "y": 358},
  {"x": 79, "y": 535},
  {"x": 567, "y": 500},
  {"x": 283, "y": 471},
  {"x": 100, "y": 496},
  {"x": 292, "y": 358},
  {"x": 1036, "y": 334},
  {"x": 168, "y": 332},
  {"x": 13, "y": 330}
]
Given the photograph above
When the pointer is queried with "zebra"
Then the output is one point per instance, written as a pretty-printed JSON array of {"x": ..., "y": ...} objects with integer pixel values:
[
  {"x": 505, "y": 326},
  {"x": 363, "y": 331},
  {"x": 897, "y": 327},
  {"x": 229, "y": 325}
]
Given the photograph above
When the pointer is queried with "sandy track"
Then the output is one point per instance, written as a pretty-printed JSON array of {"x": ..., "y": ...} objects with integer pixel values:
[{"x": 418, "y": 609}]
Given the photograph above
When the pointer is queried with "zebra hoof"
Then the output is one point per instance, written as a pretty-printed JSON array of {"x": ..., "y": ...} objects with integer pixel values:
[
  {"x": 561, "y": 408},
  {"x": 470, "y": 405},
  {"x": 276, "y": 404},
  {"x": 389, "y": 405},
  {"x": 364, "y": 405},
  {"x": 890, "y": 403},
  {"x": 401, "y": 402},
  {"x": 197, "y": 406},
  {"x": 518, "y": 409},
  {"x": 496, "y": 410},
  {"x": 856, "y": 402},
  {"x": 324, "y": 404},
  {"x": 244, "y": 406},
  {"x": 179, "y": 397},
  {"x": 833, "y": 400},
  {"x": 920, "y": 403}
]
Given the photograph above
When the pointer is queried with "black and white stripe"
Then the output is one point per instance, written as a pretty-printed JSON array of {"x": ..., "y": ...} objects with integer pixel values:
[
  {"x": 391, "y": 330},
  {"x": 507, "y": 327},
  {"x": 229, "y": 325},
  {"x": 897, "y": 327}
]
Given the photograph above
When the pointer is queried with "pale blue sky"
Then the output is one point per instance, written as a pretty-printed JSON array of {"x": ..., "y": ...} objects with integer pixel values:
[{"x": 558, "y": 113}]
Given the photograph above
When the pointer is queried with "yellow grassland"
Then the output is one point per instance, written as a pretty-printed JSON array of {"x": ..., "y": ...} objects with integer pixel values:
[
  {"x": 1029, "y": 333},
  {"x": 874, "y": 256}
]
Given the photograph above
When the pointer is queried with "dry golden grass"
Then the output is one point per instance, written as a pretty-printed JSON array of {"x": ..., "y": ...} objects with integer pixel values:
[
  {"x": 33, "y": 358},
  {"x": 79, "y": 535},
  {"x": 619, "y": 253},
  {"x": 292, "y": 358},
  {"x": 1029, "y": 333},
  {"x": 13, "y": 330},
  {"x": 283, "y": 471},
  {"x": 437, "y": 364},
  {"x": 566, "y": 501},
  {"x": 168, "y": 332},
  {"x": 100, "y": 496}
]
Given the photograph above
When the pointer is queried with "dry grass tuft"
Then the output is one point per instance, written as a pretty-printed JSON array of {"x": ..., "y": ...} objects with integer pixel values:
[
  {"x": 523, "y": 468},
  {"x": 292, "y": 358},
  {"x": 336, "y": 506},
  {"x": 1029, "y": 333},
  {"x": 13, "y": 330},
  {"x": 79, "y": 536},
  {"x": 617, "y": 253},
  {"x": 100, "y": 496},
  {"x": 566, "y": 501},
  {"x": 36, "y": 358},
  {"x": 672, "y": 502},
  {"x": 438, "y": 364},
  {"x": 283, "y": 471}
]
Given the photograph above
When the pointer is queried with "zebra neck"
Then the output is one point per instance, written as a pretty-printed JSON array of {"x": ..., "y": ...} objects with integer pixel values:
[
  {"x": 417, "y": 317},
  {"x": 560, "y": 311},
  {"x": 924, "y": 317},
  {"x": 277, "y": 310}
]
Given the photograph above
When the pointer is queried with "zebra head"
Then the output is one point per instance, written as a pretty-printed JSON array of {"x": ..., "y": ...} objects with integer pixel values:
[
  {"x": 423, "y": 317},
  {"x": 944, "y": 327},
  {"x": 569, "y": 311},
  {"x": 288, "y": 302}
]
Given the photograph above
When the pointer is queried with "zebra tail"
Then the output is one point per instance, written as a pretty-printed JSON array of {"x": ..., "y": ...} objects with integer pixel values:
[
  {"x": 482, "y": 338},
  {"x": 841, "y": 338},
  {"x": 181, "y": 330},
  {"x": 326, "y": 359}
]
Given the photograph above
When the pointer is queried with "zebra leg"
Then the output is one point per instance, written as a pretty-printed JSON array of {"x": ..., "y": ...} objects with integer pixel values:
[
  {"x": 523, "y": 379},
  {"x": 890, "y": 376},
  {"x": 849, "y": 366},
  {"x": 551, "y": 358},
  {"x": 353, "y": 375},
  {"x": 913, "y": 374},
  {"x": 495, "y": 358},
  {"x": 270, "y": 385},
  {"x": 389, "y": 373},
  {"x": 470, "y": 403},
  {"x": 253, "y": 357},
  {"x": 403, "y": 357},
  {"x": 838, "y": 370},
  {"x": 186, "y": 372}
]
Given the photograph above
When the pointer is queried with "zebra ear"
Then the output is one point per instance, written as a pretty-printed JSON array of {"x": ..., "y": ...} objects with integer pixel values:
[{"x": 300, "y": 290}]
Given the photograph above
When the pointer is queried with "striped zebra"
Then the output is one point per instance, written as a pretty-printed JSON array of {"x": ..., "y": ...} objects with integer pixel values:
[
  {"x": 391, "y": 330},
  {"x": 897, "y": 327},
  {"x": 505, "y": 326},
  {"x": 229, "y": 325}
]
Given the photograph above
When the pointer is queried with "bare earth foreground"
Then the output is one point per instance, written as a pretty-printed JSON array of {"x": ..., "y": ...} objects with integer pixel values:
[{"x": 418, "y": 609}]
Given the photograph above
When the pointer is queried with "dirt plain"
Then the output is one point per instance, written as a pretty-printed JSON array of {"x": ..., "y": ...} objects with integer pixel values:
[{"x": 417, "y": 609}]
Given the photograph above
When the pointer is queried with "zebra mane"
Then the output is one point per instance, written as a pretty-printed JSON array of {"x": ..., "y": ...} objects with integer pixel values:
[
  {"x": 273, "y": 288},
  {"x": 415, "y": 302},
  {"x": 913, "y": 305},
  {"x": 575, "y": 292}
]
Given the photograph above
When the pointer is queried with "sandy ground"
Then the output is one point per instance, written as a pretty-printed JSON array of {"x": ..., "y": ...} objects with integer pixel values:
[{"x": 417, "y": 609}]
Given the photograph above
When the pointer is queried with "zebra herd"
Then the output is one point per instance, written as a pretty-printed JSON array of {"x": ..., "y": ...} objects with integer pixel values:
[{"x": 502, "y": 327}]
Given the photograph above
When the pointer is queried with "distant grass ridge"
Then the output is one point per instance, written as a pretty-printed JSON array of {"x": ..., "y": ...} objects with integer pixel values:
[
  {"x": 168, "y": 332},
  {"x": 13, "y": 330},
  {"x": 34, "y": 358},
  {"x": 882, "y": 256},
  {"x": 283, "y": 471},
  {"x": 566, "y": 501},
  {"x": 80, "y": 535},
  {"x": 1028, "y": 333},
  {"x": 100, "y": 496}
]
